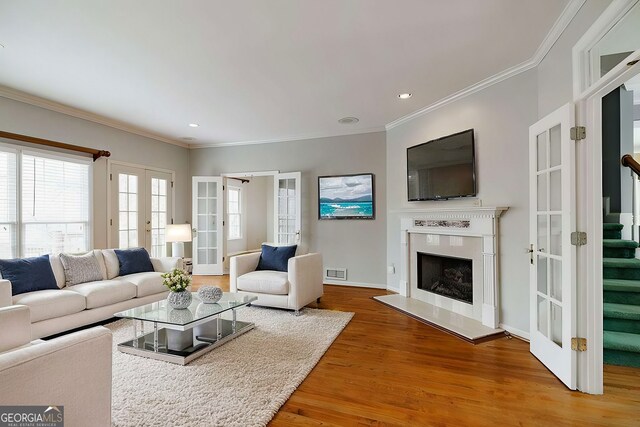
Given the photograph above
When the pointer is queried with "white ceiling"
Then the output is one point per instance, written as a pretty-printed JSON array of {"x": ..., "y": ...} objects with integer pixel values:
[{"x": 253, "y": 70}]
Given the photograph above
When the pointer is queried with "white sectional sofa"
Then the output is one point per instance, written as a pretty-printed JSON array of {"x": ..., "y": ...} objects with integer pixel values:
[
  {"x": 58, "y": 310},
  {"x": 73, "y": 371}
]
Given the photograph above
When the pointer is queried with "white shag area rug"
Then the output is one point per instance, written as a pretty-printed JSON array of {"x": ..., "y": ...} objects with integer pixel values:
[{"x": 242, "y": 383}]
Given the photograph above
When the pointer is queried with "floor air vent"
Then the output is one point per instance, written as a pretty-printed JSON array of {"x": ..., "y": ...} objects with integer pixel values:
[{"x": 335, "y": 273}]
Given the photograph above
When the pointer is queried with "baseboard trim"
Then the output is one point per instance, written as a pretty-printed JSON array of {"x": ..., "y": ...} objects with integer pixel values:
[
  {"x": 354, "y": 284},
  {"x": 518, "y": 333}
]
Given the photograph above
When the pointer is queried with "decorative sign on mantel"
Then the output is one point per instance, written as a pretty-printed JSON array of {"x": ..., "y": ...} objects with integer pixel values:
[{"x": 440, "y": 223}]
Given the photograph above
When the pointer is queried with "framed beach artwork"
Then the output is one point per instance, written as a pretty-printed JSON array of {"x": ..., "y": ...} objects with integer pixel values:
[{"x": 346, "y": 196}]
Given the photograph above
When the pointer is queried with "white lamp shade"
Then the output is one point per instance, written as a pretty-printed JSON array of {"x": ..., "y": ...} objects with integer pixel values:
[{"x": 178, "y": 233}]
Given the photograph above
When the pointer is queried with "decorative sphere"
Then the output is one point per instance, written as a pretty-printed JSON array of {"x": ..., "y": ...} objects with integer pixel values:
[
  {"x": 210, "y": 294},
  {"x": 179, "y": 300}
]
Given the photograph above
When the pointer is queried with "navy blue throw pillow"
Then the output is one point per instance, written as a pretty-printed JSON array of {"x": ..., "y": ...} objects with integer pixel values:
[
  {"x": 133, "y": 261},
  {"x": 276, "y": 258},
  {"x": 28, "y": 274}
]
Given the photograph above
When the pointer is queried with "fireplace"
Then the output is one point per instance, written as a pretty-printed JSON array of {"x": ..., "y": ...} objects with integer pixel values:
[
  {"x": 447, "y": 276},
  {"x": 463, "y": 235}
]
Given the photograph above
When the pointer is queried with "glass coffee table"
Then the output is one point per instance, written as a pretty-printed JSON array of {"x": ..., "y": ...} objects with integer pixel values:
[{"x": 179, "y": 336}]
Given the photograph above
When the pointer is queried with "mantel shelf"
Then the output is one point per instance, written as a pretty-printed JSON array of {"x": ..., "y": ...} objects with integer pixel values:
[{"x": 481, "y": 210}]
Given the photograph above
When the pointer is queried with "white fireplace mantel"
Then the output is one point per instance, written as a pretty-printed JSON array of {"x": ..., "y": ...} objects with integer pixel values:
[{"x": 481, "y": 222}]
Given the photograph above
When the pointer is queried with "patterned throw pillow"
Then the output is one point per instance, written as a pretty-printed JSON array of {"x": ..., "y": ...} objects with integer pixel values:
[{"x": 80, "y": 268}]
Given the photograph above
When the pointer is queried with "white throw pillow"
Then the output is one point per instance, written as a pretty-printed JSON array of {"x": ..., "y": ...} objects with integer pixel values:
[
  {"x": 80, "y": 268},
  {"x": 58, "y": 270},
  {"x": 111, "y": 262}
]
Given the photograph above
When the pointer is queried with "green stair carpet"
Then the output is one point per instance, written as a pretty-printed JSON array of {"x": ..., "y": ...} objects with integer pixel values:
[
  {"x": 612, "y": 231},
  {"x": 622, "y": 291},
  {"x": 621, "y": 298},
  {"x": 617, "y": 248}
]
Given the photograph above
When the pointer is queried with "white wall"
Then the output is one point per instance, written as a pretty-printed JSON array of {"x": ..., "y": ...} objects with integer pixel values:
[
  {"x": 555, "y": 72},
  {"x": 501, "y": 116},
  {"x": 359, "y": 245},
  {"x": 18, "y": 117}
]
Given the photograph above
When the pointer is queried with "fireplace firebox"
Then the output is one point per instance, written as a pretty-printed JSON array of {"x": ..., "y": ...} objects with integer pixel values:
[{"x": 446, "y": 276}]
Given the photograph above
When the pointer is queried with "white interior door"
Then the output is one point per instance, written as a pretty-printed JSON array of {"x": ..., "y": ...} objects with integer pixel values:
[
  {"x": 553, "y": 257},
  {"x": 287, "y": 205},
  {"x": 208, "y": 214},
  {"x": 141, "y": 207}
]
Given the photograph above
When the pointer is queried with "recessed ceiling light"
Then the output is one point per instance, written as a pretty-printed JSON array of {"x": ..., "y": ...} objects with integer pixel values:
[
  {"x": 348, "y": 120},
  {"x": 404, "y": 96},
  {"x": 193, "y": 125}
]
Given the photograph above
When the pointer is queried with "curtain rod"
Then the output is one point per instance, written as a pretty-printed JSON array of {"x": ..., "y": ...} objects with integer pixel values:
[{"x": 40, "y": 141}]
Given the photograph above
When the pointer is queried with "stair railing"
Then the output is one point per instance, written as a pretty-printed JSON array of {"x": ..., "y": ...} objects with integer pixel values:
[{"x": 628, "y": 161}]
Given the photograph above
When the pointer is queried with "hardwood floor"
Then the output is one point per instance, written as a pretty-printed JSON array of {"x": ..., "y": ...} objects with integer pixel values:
[{"x": 389, "y": 369}]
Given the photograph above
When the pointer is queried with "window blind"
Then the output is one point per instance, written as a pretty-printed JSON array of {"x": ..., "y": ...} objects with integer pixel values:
[
  {"x": 8, "y": 204},
  {"x": 55, "y": 205}
]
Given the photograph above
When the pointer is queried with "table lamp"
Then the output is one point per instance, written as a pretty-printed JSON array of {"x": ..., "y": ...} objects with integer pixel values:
[{"x": 177, "y": 234}]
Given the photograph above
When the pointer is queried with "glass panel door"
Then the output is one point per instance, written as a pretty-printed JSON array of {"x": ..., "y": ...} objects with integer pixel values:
[
  {"x": 127, "y": 218},
  {"x": 287, "y": 208},
  {"x": 141, "y": 208},
  {"x": 207, "y": 195},
  {"x": 158, "y": 211},
  {"x": 552, "y": 213}
]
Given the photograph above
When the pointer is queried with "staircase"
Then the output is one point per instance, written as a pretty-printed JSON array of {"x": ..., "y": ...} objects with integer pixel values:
[{"x": 621, "y": 298}]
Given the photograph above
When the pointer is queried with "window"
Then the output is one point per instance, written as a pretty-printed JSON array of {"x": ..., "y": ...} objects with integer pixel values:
[
  {"x": 8, "y": 204},
  {"x": 44, "y": 208},
  {"x": 234, "y": 210}
]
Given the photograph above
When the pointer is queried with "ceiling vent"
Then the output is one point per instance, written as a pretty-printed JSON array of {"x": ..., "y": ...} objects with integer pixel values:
[{"x": 332, "y": 273}]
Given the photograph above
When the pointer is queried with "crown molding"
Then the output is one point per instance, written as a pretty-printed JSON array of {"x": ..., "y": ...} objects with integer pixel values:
[
  {"x": 37, "y": 101},
  {"x": 565, "y": 18},
  {"x": 287, "y": 139}
]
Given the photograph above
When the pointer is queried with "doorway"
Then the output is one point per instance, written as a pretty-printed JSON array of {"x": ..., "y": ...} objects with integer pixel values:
[
  {"x": 141, "y": 206},
  {"x": 621, "y": 191},
  {"x": 570, "y": 342},
  {"x": 249, "y": 214},
  {"x": 236, "y": 212}
]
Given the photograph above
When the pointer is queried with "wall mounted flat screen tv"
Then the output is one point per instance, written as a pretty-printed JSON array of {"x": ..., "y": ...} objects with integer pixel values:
[
  {"x": 442, "y": 169},
  {"x": 346, "y": 197}
]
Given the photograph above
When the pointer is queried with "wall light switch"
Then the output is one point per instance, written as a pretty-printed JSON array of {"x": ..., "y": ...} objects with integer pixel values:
[{"x": 391, "y": 269}]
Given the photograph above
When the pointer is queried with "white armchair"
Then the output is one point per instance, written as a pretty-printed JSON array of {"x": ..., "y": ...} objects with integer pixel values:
[
  {"x": 73, "y": 371},
  {"x": 299, "y": 286}
]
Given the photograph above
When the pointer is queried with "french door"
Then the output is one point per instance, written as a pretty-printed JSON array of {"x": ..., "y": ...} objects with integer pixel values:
[
  {"x": 287, "y": 205},
  {"x": 141, "y": 208},
  {"x": 553, "y": 257},
  {"x": 208, "y": 233}
]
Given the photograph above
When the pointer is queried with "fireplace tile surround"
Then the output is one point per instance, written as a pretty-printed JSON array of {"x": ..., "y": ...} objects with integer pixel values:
[{"x": 464, "y": 232}]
